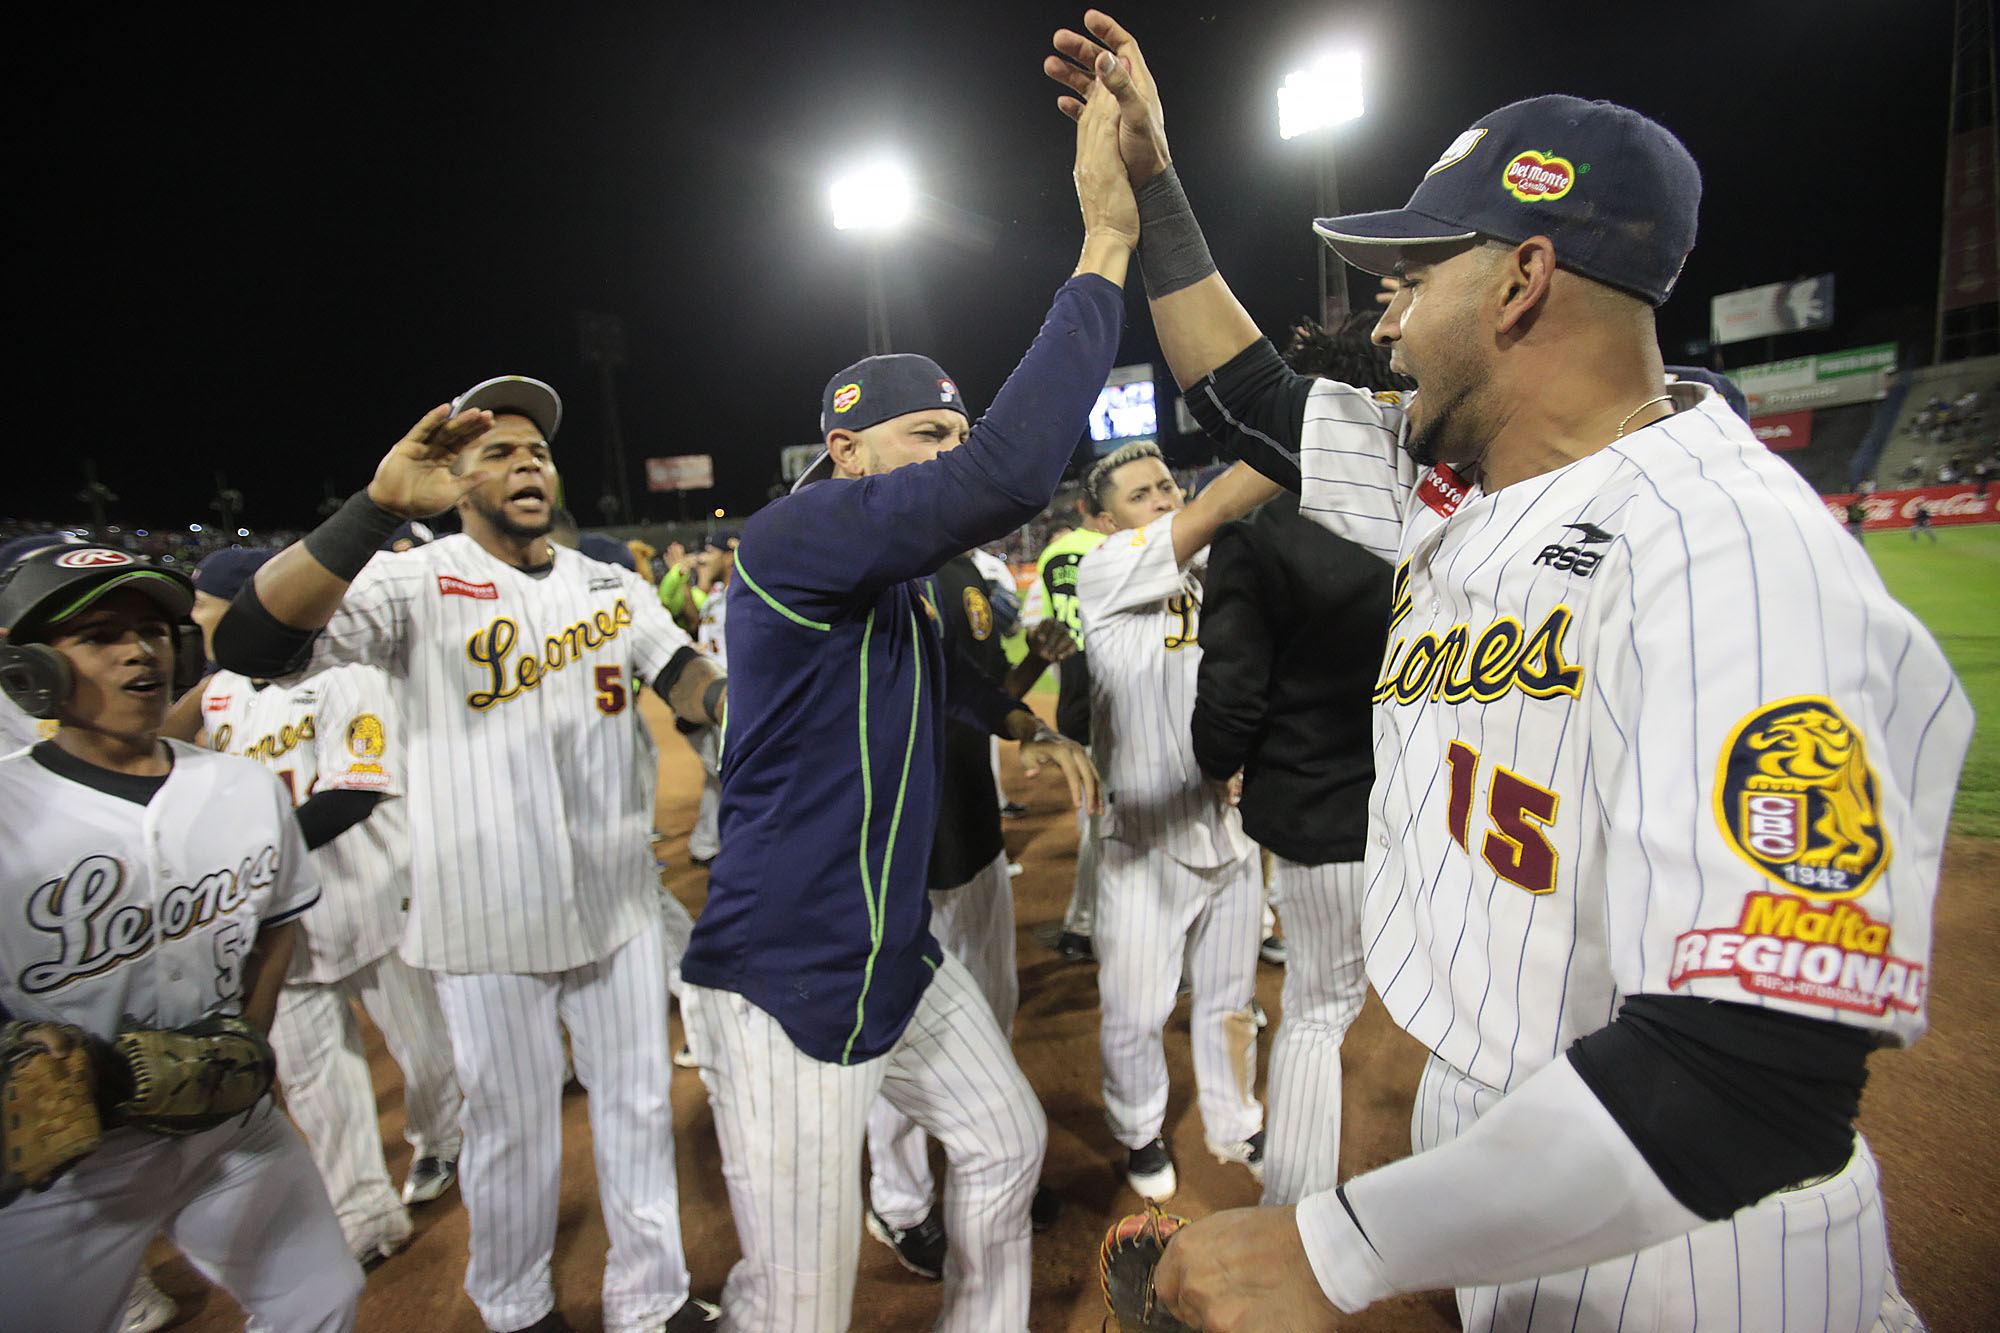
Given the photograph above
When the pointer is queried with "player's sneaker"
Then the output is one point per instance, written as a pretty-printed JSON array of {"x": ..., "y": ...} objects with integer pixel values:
[
  {"x": 1250, "y": 1152},
  {"x": 430, "y": 1177},
  {"x": 919, "y": 1248},
  {"x": 1077, "y": 948},
  {"x": 1151, "y": 1171},
  {"x": 147, "y": 1308},
  {"x": 381, "y": 1238},
  {"x": 684, "y": 1058},
  {"x": 1258, "y": 1016},
  {"x": 692, "y": 1314},
  {"x": 1272, "y": 951}
]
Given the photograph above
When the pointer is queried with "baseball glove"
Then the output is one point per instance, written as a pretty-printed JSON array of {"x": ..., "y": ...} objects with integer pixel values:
[
  {"x": 48, "y": 1107},
  {"x": 1125, "y": 1263},
  {"x": 185, "y": 1080}
]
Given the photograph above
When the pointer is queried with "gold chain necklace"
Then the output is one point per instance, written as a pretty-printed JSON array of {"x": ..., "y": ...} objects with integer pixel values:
[{"x": 1663, "y": 398}]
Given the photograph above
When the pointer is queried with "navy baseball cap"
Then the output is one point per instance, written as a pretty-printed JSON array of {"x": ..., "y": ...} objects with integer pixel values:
[
  {"x": 1617, "y": 194},
  {"x": 518, "y": 394},
  {"x": 223, "y": 573},
  {"x": 605, "y": 549},
  {"x": 872, "y": 391}
]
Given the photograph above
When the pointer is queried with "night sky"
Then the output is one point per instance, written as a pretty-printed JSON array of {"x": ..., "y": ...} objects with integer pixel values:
[{"x": 265, "y": 245}]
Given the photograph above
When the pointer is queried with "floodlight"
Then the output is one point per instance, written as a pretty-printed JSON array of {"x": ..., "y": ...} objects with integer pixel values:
[
  {"x": 1328, "y": 92},
  {"x": 876, "y": 197}
]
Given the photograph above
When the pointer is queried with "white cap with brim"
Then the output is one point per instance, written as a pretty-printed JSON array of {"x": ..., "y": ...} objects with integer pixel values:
[
  {"x": 530, "y": 398},
  {"x": 1375, "y": 242}
]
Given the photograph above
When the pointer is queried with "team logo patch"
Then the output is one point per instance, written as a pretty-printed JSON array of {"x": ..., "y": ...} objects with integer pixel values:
[
  {"x": 452, "y": 587},
  {"x": 946, "y": 391},
  {"x": 1836, "y": 955},
  {"x": 93, "y": 557},
  {"x": 978, "y": 614},
  {"x": 1442, "y": 490},
  {"x": 1458, "y": 148},
  {"x": 365, "y": 737},
  {"x": 846, "y": 396},
  {"x": 1532, "y": 178},
  {"x": 1796, "y": 798}
]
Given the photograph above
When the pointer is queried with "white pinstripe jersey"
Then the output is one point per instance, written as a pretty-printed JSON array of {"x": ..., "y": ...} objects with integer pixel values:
[
  {"x": 527, "y": 793},
  {"x": 1648, "y": 722},
  {"x": 336, "y": 731},
  {"x": 711, "y": 635},
  {"x": 111, "y": 909},
  {"x": 18, "y": 730},
  {"x": 1142, "y": 630}
]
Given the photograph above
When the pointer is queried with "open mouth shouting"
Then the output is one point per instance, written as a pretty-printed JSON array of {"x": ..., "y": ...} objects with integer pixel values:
[{"x": 530, "y": 498}]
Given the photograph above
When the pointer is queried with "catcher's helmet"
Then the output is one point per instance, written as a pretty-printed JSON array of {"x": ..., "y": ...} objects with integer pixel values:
[{"x": 52, "y": 585}]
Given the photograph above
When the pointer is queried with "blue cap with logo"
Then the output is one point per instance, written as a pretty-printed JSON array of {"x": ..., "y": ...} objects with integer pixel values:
[
  {"x": 1615, "y": 192},
  {"x": 223, "y": 573},
  {"x": 875, "y": 389}
]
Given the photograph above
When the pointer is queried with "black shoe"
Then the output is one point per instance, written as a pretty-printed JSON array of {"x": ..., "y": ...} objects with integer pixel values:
[
  {"x": 919, "y": 1248},
  {"x": 1151, "y": 1171},
  {"x": 552, "y": 1322},
  {"x": 1077, "y": 948},
  {"x": 692, "y": 1314},
  {"x": 1044, "y": 1211},
  {"x": 1013, "y": 810}
]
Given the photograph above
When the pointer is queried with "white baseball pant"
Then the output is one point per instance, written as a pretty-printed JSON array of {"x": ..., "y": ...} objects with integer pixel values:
[
  {"x": 1325, "y": 986},
  {"x": 331, "y": 1095},
  {"x": 506, "y": 1032},
  {"x": 242, "y": 1201},
  {"x": 1813, "y": 1258},
  {"x": 704, "y": 840},
  {"x": 1152, "y": 912},
  {"x": 791, "y": 1129},
  {"x": 975, "y": 923}
]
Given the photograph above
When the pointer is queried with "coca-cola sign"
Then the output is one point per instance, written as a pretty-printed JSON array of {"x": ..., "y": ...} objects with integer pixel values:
[{"x": 1898, "y": 509}]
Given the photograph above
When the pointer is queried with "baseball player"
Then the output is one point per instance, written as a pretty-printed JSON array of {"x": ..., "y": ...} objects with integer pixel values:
[
  {"x": 1055, "y": 589},
  {"x": 335, "y": 741},
  {"x": 1652, "y": 866},
  {"x": 152, "y": 882},
  {"x": 813, "y": 981},
  {"x": 533, "y": 897},
  {"x": 714, "y": 564},
  {"x": 1177, "y": 878}
]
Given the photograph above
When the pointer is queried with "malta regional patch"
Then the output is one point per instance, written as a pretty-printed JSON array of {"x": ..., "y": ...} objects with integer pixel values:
[
  {"x": 978, "y": 614},
  {"x": 1797, "y": 799}
]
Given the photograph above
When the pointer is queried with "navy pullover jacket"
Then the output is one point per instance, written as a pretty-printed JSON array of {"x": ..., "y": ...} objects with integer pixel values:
[{"x": 817, "y": 908}]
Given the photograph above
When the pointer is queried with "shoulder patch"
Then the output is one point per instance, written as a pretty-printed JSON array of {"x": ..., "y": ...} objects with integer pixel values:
[
  {"x": 978, "y": 614},
  {"x": 365, "y": 736},
  {"x": 1138, "y": 536},
  {"x": 1796, "y": 798}
]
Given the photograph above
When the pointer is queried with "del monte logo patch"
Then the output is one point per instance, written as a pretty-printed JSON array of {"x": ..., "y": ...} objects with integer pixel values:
[
  {"x": 1532, "y": 177},
  {"x": 846, "y": 396}
]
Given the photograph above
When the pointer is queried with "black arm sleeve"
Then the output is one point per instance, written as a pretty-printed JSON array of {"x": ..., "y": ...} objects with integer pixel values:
[
  {"x": 252, "y": 641},
  {"x": 663, "y": 683},
  {"x": 1727, "y": 1103},
  {"x": 328, "y": 814},
  {"x": 1233, "y": 684},
  {"x": 1254, "y": 407},
  {"x": 1073, "y": 697}
]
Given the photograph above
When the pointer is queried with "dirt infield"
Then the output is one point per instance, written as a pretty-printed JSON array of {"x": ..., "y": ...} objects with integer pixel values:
[{"x": 1932, "y": 1114}]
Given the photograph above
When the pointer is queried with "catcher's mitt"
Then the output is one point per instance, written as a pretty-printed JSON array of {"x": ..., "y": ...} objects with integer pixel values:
[
  {"x": 1125, "y": 1263},
  {"x": 184, "y": 1080},
  {"x": 48, "y": 1107}
]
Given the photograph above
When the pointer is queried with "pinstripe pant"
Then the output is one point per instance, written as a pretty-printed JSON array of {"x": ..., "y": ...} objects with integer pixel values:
[
  {"x": 791, "y": 1130},
  {"x": 1814, "y": 1258},
  {"x": 330, "y": 1093},
  {"x": 1152, "y": 912},
  {"x": 1325, "y": 986},
  {"x": 704, "y": 841},
  {"x": 505, "y": 1033},
  {"x": 975, "y": 923}
]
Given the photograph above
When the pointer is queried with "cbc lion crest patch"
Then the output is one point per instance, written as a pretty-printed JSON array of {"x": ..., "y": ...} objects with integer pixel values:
[
  {"x": 978, "y": 614},
  {"x": 1797, "y": 799},
  {"x": 365, "y": 738}
]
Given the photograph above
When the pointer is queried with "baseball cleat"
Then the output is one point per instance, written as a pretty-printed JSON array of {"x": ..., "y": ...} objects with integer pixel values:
[
  {"x": 1250, "y": 1152},
  {"x": 692, "y": 1314},
  {"x": 1151, "y": 1171},
  {"x": 1043, "y": 1211},
  {"x": 147, "y": 1308},
  {"x": 919, "y": 1248},
  {"x": 430, "y": 1177},
  {"x": 684, "y": 1058},
  {"x": 1077, "y": 948},
  {"x": 1272, "y": 951},
  {"x": 386, "y": 1236}
]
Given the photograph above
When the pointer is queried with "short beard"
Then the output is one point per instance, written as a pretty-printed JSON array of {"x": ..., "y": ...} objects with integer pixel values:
[
  {"x": 1454, "y": 431},
  {"x": 498, "y": 518}
]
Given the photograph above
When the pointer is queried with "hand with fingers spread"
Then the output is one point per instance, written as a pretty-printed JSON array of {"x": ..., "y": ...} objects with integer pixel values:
[
  {"x": 1107, "y": 56},
  {"x": 416, "y": 479}
]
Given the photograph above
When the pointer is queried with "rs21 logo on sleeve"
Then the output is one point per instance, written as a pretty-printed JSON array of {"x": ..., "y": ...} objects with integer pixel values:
[{"x": 1796, "y": 798}]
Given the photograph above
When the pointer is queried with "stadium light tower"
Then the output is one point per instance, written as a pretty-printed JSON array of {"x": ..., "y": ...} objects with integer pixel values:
[
  {"x": 1312, "y": 101},
  {"x": 876, "y": 200}
]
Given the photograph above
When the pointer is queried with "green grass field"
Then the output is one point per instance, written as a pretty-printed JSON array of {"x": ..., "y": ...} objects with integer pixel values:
[{"x": 1954, "y": 588}]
